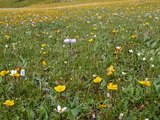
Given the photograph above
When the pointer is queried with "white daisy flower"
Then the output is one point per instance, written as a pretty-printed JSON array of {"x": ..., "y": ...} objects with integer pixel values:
[{"x": 60, "y": 110}]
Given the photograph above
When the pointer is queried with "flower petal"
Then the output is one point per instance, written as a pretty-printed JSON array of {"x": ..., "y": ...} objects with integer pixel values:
[{"x": 64, "y": 109}]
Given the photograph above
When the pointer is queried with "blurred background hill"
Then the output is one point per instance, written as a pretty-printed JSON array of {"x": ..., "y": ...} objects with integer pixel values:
[{"x": 24, "y": 3}]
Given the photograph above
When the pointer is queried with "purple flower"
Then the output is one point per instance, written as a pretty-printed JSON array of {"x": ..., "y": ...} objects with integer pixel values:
[{"x": 69, "y": 40}]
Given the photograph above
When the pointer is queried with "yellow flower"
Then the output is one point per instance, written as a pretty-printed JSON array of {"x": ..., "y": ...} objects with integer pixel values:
[
  {"x": 90, "y": 40},
  {"x": 44, "y": 53},
  {"x": 112, "y": 86},
  {"x": 60, "y": 88},
  {"x": 114, "y": 31},
  {"x": 101, "y": 105},
  {"x": 44, "y": 63},
  {"x": 110, "y": 70},
  {"x": 77, "y": 36},
  {"x": 145, "y": 83},
  {"x": 43, "y": 45},
  {"x": 92, "y": 33},
  {"x": 94, "y": 28},
  {"x": 117, "y": 50},
  {"x": 97, "y": 80},
  {"x": 134, "y": 36},
  {"x": 57, "y": 31},
  {"x": 7, "y": 37},
  {"x": 43, "y": 32},
  {"x": 9, "y": 103},
  {"x": 3, "y": 73},
  {"x": 16, "y": 75},
  {"x": 147, "y": 23}
]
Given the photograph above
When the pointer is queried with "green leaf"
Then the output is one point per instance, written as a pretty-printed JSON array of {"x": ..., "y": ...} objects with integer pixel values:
[
  {"x": 75, "y": 112},
  {"x": 30, "y": 114}
]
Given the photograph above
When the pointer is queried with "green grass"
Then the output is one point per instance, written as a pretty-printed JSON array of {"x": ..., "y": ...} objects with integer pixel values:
[{"x": 74, "y": 65}]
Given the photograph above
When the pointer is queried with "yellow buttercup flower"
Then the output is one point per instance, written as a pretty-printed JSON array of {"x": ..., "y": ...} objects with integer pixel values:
[
  {"x": 76, "y": 36},
  {"x": 94, "y": 28},
  {"x": 44, "y": 53},
  {"x": 7, "y": 36},
  {"x": 3, "y": 73},
  {"x": 43, "y": 45},
  {"x": 57, "y": 31},
  {"x": 134, "y": 36},
  {"x": 60, "y": 88},
  {"x": 112, "y": 86},
  {"x": 114, "y": 31},
  {"x": 97, "y": 80},
  {"x": 16, "y": 75},
  {"x": 9, "y": 103},
  {"x": 145, "y": 83},
  {"x": 44, "y": 63},
  {"x": 110, "y": 70},
  {"x": 101, "y": 105},
  {"x": 147, "y": 23},
  {"x": 90, "y": 40}
]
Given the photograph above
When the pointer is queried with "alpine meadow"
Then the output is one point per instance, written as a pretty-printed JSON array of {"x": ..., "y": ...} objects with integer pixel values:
[{"x": 80, "y": 60}]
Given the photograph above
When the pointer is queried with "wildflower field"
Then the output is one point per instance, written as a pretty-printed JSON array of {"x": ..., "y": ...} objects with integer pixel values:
[{"x": 95, "y": 61}]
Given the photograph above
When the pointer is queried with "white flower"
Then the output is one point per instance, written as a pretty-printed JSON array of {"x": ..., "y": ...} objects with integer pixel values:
[
  {"x": 93, "y": 115},
  {"x": 22, "y": 73},
  {"x": 14, "y": 46},
  {"x": 124, "y": 73},
  {"x": 146, "y": 79},
  {"x": 13, "y": 72},
  {"x": 88, "y": 21},
  {"x": 144, "y": 59},
  {"x": 108, "y": 95},
  {"x": 146, "y": 119},
  {"x": 131, "y": 51},
  {"x": 152, "y": 66},
  {"x": 118, "y": 47},
  {"x": 120, "y": 116},
  {"x": 94, "y": 36},
  {"x": 65, "y": 62},
  {"x": 6, "y": 46},
  {"x": 60, "y": 110},
  {"x": 94, "y": 75},
  {"x": 139, "y": 54}
]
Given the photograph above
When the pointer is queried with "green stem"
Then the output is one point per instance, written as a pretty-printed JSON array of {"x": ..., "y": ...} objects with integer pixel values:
[{"x": 60, "y": 116}]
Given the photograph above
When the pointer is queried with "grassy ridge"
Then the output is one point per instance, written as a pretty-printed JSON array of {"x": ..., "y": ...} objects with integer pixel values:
[{"x": 23, "y": 3}]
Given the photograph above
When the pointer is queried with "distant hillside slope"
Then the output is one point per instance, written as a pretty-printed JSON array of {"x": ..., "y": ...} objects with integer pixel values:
[{"x": 23, "y": 3}]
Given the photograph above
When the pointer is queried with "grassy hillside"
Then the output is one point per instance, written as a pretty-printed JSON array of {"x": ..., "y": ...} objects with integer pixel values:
[{"x": 22, "y": 3}]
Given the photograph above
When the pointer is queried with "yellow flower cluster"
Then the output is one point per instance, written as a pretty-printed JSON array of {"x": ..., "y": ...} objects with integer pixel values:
[
  {"x": 4, "y": 72},
  {"x": 110, "y": 70},
  {"x": 145, "y": 83}
]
